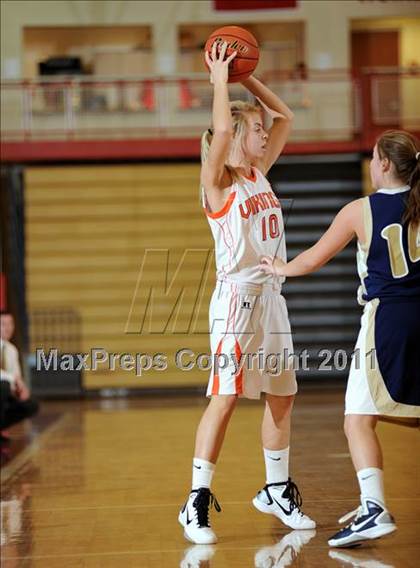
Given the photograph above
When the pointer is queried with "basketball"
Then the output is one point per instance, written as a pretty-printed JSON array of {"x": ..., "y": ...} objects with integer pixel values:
[{"x": 241, "y": 41}]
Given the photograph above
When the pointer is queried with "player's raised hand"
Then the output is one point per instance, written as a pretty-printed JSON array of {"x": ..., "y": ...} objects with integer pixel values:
[
  {"x": 218, "y": 65},
  {"x": 271, "y": 265}
]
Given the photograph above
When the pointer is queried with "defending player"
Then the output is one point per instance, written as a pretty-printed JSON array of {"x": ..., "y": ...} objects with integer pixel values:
[
  {"x": 246, "y": 313},
  {"x": 385, "y": 372}
]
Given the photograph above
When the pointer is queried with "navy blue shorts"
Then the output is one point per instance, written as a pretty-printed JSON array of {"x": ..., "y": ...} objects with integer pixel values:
[{"x": 397, "y": 343}]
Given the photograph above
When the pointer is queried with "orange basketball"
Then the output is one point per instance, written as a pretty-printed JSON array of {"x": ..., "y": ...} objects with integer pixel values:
[{"x": 241, "y": 41}]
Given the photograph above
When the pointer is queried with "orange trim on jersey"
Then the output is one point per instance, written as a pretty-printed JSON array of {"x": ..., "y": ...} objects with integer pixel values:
[
  {"x": 239, "y": 377},
  {"x": 224, "y": 209},
  {"x": 253, "y": 176}
]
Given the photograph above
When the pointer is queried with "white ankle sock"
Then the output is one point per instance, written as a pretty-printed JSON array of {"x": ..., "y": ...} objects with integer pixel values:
[
  {"x": 276, "y": 465},
  {"x": 371, "y": 482},
  {"x": 202, "y": 473}
]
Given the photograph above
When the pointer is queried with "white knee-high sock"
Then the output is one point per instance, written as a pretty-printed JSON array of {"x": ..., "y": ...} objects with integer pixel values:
[
  {"x": 202, "y": 473},
  {"x": 276, "y": 465},
  {"x": 371, "y": 482}
]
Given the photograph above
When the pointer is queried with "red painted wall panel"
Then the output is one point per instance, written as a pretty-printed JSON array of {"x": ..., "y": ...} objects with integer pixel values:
[{"x": 253, "y": 4}]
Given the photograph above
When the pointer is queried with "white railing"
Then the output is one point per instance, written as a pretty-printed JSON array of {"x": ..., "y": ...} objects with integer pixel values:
[
  {"x": 395, "y": 100},
  {"x": 327, "y": 106},
  {"x": 81, "y": 108}
]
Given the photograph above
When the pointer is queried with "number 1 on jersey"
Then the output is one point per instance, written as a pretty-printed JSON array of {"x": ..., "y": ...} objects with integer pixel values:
[{"x": 393, "y": 235}]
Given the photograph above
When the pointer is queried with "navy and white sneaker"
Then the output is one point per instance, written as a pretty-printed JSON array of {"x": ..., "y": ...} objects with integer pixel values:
[
  {"x": 194, "y": 516},
  {"x": 283, "y": 500},
  {"x": 371, "y": 520}
]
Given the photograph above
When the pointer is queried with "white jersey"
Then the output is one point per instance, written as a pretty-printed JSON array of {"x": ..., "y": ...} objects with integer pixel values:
[{"x": 249, "y": 226}]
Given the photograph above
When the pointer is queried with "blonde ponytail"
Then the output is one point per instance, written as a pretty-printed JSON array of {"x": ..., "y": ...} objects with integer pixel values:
[{"x": 206, "y": 139}]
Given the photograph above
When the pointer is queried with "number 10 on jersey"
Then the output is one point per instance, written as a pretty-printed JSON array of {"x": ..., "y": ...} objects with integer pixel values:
[{"x": 270, "y": 227}]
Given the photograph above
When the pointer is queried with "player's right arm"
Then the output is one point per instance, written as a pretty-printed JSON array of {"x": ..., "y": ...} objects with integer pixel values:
[{"x": 214, "y": 176}]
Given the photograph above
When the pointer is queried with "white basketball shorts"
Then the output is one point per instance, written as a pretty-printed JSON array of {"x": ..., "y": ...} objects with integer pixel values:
[{"x": 251, "y": 341}]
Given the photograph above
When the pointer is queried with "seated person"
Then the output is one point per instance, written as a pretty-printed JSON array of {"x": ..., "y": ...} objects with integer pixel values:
[{"x": 16, "y": 403}]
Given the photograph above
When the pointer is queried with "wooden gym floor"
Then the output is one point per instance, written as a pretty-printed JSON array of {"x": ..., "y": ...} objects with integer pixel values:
[{"x": 101, "y": 485}]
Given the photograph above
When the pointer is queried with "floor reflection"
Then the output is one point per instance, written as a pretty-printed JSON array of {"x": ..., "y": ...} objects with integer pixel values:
[
  {"x": 198, "y": 556},
  {"x": 285, "y": 552},
  {"x": 348, "y": 559},
  {"x": 282, "y": 554},
  {"x": 16, "y": 523}
]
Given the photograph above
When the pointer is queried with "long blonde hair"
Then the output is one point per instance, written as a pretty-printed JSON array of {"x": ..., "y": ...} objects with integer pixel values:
[{"x": 239, "y": 111}]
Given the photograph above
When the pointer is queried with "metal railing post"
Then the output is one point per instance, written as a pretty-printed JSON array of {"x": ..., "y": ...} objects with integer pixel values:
[
  {"x": 68, "y": 109},
  {"x": 27, "y": 110}
]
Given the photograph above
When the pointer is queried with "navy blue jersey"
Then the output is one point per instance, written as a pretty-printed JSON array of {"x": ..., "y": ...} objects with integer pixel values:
[{"x": 389, "y": 261}]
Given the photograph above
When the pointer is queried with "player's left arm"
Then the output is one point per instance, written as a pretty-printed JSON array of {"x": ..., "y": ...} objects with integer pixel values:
[
  {"x": 282, "y": 118},
  {"x": 341, "y": 231}
]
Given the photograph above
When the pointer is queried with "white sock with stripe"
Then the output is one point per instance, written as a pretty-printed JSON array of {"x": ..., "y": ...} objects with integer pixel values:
[
  {"x": 202, "y": 473},
  {"x": 276, "y": 465},
  {"x": 371, "y": 482}
]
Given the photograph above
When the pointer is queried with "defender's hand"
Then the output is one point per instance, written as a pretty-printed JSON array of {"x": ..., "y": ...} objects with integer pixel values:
[{"x": 271, "y": 265}]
